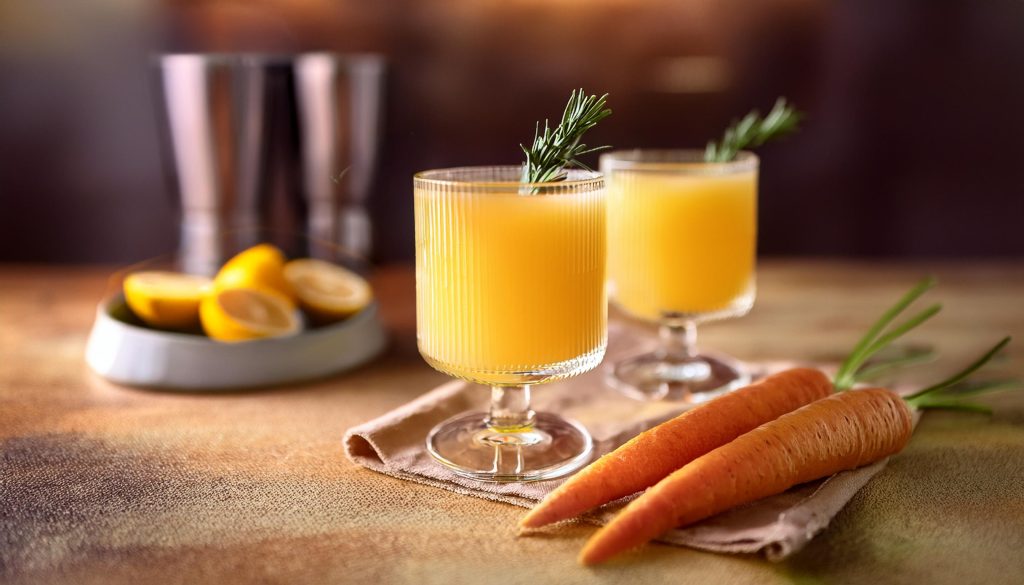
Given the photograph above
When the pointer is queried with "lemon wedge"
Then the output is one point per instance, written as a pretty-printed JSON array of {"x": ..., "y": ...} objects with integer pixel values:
[
  {"x": 240, "y": 314},
  {"x": 166, "y": 300},
  {"x": 327, "y": 292},
  {"x": 259, "y": 267}
]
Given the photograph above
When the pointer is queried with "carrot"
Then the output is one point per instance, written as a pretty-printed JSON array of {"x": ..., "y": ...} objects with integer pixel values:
[
  {"x": 654, "y": 454},
  {"x": 841, "y": 432},
  {"x": 837, "y": 433},
  {"x": 657, "y": 452}
]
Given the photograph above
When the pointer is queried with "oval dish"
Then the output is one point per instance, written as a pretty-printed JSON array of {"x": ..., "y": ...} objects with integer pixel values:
[{"x": 133, "y": 355}]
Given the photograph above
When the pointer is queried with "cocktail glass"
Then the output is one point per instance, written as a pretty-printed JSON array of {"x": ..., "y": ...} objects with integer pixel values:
[
  {"x": 681, "y": 251},
  {"x": 510, "y": 292}
]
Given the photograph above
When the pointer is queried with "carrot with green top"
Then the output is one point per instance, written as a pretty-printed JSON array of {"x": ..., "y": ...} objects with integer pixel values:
[
  {"x": 657, "y": 452},
  {"x": 841, "y": 432}
]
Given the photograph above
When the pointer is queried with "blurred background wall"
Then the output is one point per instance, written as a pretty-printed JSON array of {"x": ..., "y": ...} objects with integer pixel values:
[{"x": 912, "y": 145}]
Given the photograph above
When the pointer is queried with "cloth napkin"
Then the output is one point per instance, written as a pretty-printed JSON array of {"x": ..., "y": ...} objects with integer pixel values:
[{"x": 777, "y": 526}]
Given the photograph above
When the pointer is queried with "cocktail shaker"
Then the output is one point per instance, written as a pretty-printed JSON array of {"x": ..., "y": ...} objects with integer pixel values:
[{"x": 278, "y": 148}]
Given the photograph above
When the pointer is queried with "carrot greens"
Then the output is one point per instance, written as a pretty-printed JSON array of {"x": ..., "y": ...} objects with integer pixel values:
[
  {"x": 945, "y": 394},
  {"x": 874, "y": 342},
  {"x": 894, "y": 358}
]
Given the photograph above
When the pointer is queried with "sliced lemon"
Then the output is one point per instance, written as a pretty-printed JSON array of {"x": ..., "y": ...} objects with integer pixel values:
[
  {"x": 327, "y": 292},
  {"x": 166, "y": 300},
  {"x": 259, "y": 267},
  {"x": 240, "y": 314}
]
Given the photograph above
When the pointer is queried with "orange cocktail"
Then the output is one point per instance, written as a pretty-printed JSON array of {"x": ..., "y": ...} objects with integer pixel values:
[
  {"x": 510, "y": 292},
  {"x": 682, "y": 246}
]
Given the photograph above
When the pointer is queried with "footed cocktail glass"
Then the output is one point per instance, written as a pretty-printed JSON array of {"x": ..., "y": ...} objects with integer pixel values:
[
  {"x": 681, "y": 251},
  {"x": 510, "y": 292}
]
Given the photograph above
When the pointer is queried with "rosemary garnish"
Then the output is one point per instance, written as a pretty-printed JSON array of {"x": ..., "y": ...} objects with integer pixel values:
[
  {"x": 752, "y": 131},
  {"x": 553, "y": 151}
]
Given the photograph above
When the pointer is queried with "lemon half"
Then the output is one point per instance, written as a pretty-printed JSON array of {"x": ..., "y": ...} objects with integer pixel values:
[
  {"x": 259, "y": 267},
  {"x": 241, "y": 314},
  {"x": 166, "y": 300},
  {"x": 325, "y": 291}
]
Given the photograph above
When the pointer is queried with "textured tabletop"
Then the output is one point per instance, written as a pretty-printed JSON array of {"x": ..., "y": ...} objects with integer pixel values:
[{"x": 104, "y": 484}]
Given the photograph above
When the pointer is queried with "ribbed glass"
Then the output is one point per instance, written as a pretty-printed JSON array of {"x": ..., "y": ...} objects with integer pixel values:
[
  {"x": 510, "y": 277},
  {"x": 682, "y": 233}
]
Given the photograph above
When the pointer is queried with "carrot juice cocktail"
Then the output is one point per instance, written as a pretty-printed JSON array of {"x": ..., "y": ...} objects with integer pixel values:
[
  {"x": 683, "y": 242},
  {"x": 510, "y": 285},
  {"x": 510, "y": 292}
]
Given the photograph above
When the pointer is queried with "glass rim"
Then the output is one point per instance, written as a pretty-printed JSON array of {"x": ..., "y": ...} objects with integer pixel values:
[
  {"x": 592, "y": 179},
  {"x": 667, "y": 159}
]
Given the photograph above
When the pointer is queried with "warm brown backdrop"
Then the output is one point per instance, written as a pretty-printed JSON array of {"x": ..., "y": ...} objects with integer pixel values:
[{"x": 912, "y": 145}]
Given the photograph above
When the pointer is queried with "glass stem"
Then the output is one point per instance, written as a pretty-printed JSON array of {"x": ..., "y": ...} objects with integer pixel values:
[
  {"x": 678, "y": 339},
  {"x": 510, "y": 408}
]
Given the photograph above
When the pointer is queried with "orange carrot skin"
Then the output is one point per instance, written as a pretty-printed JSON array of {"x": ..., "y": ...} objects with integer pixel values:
[
  {"x": 841, "y": 432},
  {"x": 657, "y": 452}
]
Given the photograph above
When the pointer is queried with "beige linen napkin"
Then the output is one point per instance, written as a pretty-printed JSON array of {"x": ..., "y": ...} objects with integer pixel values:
[{"x": 778, "y": 526}]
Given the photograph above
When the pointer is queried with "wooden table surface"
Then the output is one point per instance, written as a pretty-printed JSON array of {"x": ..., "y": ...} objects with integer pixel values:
[{"x": 106, "y": 484}]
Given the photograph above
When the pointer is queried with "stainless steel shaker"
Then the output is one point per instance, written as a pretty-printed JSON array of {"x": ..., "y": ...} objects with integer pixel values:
[{"x": 278, "y": 148}]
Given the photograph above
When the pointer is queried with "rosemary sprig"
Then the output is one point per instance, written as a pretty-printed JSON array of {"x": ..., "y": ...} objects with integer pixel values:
[
  {"x": 753, "y": 130},
  {"x": 555, "y": 150}
]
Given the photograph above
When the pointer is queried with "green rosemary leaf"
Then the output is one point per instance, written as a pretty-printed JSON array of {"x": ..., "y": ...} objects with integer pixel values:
[
  {"x": 555, "y": 150},
  {"x": 753, "y": 131}
]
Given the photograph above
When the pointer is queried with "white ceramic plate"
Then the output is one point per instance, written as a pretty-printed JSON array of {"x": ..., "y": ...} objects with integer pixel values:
[{"x": 136, "y": 356}]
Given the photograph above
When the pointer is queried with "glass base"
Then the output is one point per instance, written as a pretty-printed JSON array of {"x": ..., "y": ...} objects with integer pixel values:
[
  {"x": 550, "y": 448},
  {"x": 654, "y": 376}
]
